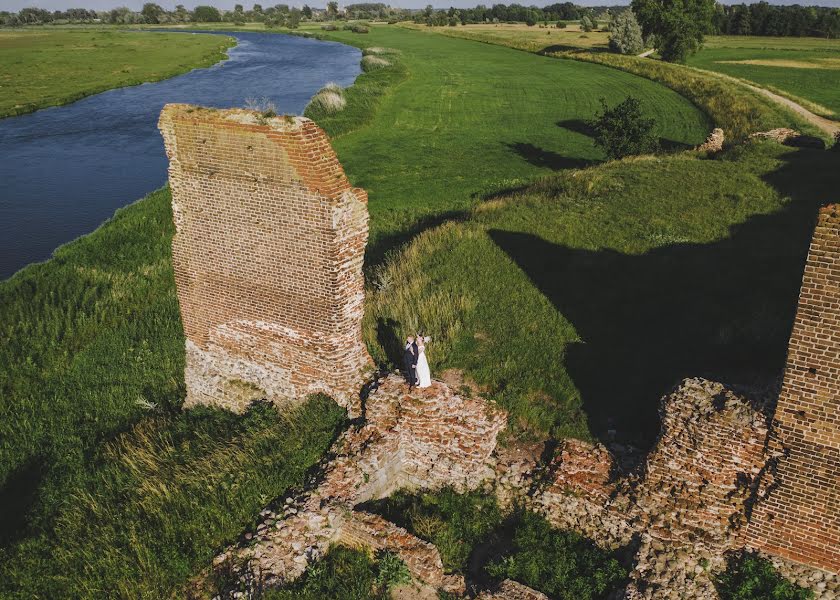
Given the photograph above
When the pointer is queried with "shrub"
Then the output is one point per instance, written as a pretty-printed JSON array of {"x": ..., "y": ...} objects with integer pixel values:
[
  {"x": 835, "y": 147},
  {"x": 329, "y": 27},
  {"x": 359, "y": 29},
  {"x": 626, "y": 34},
  {"x": 372, "y": 63},
  {"x": 750, "y": 577},
  {"x": 329, "y": 99},
  {"x": 623, "y": 130},
  {"x": 562, "y": 564}
]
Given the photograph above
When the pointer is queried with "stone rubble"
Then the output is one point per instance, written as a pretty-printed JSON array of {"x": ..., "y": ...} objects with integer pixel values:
[
  {"x": 713, "y": 143},
  {"x": 426, "y": 439}
]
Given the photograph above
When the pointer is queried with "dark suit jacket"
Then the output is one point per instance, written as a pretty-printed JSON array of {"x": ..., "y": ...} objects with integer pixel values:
[{"x": 410, "y": 358}]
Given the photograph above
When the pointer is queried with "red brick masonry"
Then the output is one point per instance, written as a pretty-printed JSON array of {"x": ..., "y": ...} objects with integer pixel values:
[
  {"x": 800, "y": 517},
  {"x": 268, "y": 253}
]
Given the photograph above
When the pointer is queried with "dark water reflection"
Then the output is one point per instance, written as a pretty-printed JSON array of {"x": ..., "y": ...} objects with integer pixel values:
[{"x": 64, "y": 170}]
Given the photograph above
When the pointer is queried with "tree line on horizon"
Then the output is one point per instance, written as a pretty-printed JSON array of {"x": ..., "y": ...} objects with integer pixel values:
[{"x": 760, "y": 18}]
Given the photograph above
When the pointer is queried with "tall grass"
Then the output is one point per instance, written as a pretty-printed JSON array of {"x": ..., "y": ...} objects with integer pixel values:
[
  {"x": 328, "y": 100},
  {"x": 164, "y": 497},
  {"x": 340, "y": 111}
]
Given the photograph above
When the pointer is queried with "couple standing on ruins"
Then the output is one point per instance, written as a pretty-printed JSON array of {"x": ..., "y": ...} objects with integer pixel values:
[{"x": 417, "y": 371}]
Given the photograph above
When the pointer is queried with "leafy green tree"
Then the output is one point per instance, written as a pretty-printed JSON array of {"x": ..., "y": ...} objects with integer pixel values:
[
  {"x": 626, "y": 34},
  {"x": 332, "y": 9},
  {"x": 679, "y": 25},
  {"x": 749, "y": 577},
  {"x": 623, "y": 130},
  {"x": 586, "y": 23},
  {"x": 152, "y": 13},
  {"x": 307, "y": 11},
  {"x": 206, "y": 14}
]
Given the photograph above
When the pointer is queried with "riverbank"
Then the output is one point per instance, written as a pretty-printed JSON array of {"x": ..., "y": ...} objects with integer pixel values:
[{"x": 51, "y": 67}]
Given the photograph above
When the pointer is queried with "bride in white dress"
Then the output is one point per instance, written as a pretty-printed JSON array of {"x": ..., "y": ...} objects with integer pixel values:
[{"x": 424, "y": 375}]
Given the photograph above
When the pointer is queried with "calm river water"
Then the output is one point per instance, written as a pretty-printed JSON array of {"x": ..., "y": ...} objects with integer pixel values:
[{"x": 64, "y": 170}]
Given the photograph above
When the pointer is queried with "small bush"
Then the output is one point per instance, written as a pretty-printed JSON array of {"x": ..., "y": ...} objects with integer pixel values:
[
  {"x": 359, "y": 29},
  {"x": 623, "y": 130},
  {"x": 562, "y": 564},
  {"x": 750, "y": 577},
  {"x": 372, "y": 63},
  {"x": 329, "y": 27}
]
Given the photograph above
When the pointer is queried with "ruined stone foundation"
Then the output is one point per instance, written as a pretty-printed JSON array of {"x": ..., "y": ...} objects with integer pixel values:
[{"x": 268, "y": 251}]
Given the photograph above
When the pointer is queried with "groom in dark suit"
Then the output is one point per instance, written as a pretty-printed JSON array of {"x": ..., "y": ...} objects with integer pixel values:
[{"x": 410, "y": 362}]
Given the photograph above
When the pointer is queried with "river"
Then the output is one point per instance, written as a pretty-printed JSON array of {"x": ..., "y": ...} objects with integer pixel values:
[{"x": 64, "y": 170}]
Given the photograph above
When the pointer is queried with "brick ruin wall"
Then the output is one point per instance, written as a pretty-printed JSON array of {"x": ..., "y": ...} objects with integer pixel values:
[
  {"x": 268, "y": 251},
  {"x": 799, "y": 517}
]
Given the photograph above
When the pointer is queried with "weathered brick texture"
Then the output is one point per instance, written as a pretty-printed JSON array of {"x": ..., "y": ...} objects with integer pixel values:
[
  {"x": 268, "y": 253},
  {"x": 799, "y": 519}
]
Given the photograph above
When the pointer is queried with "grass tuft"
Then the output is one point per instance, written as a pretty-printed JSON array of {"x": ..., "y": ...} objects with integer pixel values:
[{"x": 372, "y": 63}]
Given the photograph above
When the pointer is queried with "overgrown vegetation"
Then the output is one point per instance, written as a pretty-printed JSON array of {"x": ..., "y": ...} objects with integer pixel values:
[
  {"x": 157, "y": 503},
  {"x": 623, "y": 130},
  {"x": 750, "y": 577},
  {"x": 346, "y": 574},
  {"x": 40, "y": 69},
  {"x": 474, "y": 538},
  {"x": 454, "y": 523},
  {"x": 561, "y": 564}
]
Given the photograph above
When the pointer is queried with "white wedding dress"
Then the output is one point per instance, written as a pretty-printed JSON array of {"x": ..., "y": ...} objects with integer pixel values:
[{"x": 424, "y": 375}]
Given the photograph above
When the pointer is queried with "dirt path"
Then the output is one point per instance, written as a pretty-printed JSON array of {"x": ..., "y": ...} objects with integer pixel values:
[{"x": 828, "y": 126}]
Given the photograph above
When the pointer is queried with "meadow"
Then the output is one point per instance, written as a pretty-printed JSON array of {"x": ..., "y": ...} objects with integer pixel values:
[
  {"x": 41, "y": 68},
  {"x": 574, "y": 292},
  {"x": 807, "y": 70}
]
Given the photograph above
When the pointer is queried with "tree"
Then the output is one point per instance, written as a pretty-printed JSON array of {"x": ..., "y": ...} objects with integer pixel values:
[
  {"x": 307, "y": 11},
  {"x": 679, "y": 25},
  {"x": 626, "y": 34},
  {"x": 206, "y": 14},
  {"x": 332, "y": 8},
  {"x": 586, "y": 23},
  {"x": 623, "y": 130},
  {"x": 151, "y": 13},
  {"x": 181, "y": 14}
]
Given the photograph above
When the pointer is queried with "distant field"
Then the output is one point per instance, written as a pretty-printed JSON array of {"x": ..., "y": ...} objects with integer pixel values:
[
  {"x": 523, "y": 37},
  {"x": 806, "y": 68},
  {"x": 49, "y": 67}
]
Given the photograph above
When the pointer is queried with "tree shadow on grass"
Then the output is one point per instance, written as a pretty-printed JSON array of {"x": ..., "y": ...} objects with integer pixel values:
[
  {"x": 570, "y": 48},
  {"x": 540, "y": 157},
  {"x": 722, "y": 310},
  {"x": 585, "y": 128}
]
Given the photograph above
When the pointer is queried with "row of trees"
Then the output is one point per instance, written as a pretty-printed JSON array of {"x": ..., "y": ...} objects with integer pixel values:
[{"x": 766, "y": 19}]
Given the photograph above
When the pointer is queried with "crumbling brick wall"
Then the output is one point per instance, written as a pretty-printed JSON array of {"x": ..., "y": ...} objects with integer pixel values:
[
  {"x": 799, "y": 519},
  {"x": 268, "y": 253}
]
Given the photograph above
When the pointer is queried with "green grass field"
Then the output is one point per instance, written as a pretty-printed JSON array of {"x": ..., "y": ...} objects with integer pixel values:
[
  {"x": 40, "y": 68},
  {"x": 575, "y": 301},
  {"x": 457, "y": 128},
  {"x": 800, "y": 68}
]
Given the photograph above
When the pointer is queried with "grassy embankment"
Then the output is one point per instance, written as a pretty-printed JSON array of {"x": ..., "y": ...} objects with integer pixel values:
[
  {"x": 99, "y": 468},
  {"x": 807, "y": 70},
  {"x": 40, "y": 68},
  {"x": 737, "y": 109}
]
